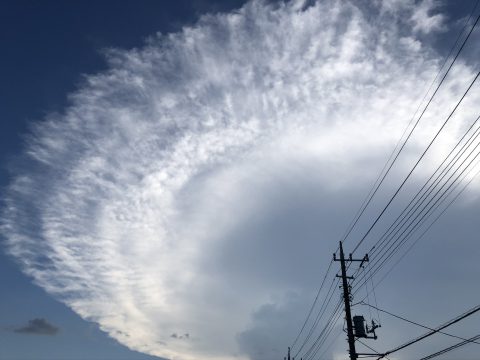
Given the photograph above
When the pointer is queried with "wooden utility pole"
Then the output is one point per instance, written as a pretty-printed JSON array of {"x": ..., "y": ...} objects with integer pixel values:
[{"x": 346, "y": 299}]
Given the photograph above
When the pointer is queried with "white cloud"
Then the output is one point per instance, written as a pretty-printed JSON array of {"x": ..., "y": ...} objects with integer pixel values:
[
  {"x": 135, "y": 205},
  {"x": 424, "y": 15},
  {"x": 423, "y": 19}
]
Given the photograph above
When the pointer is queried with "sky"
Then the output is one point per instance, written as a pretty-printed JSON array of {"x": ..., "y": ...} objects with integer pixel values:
[{"x": 177, "y": 175}]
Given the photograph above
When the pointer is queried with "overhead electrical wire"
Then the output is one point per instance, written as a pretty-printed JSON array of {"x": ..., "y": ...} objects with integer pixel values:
[
  {"x": 416, "y": 225},
  {"x": 436, "y": 206},
  {"x": 432, "y": 332},
  {"x": 459, "y": 153},
  {"x": 458, "y": 52},
  {"x": 400, "y": 241},
  {"x": 323, "y": 333},
  {"x": 444, "y": 62},
  {"x": 427, "y": 229},
  {"x": 432, "y": 208},
  {"x": 435, "y": 220},
  {"x": 308, "y": 353},
  {"x": 416, "y": 323},
  {"x": 450, "y": 348},
  {"x": 402, "y": 218},
  {"x": 418, "y": 120},
  {"x": 313, "y": 305},
  {"x": 326, "y": 336},
  {"x": 378, "y": 182},
  {"x": 427, "y": 148},
  {"x": 330, "y": 344},
  {"x": 430, "y": 189},
  {"x": 320, "y": 314},
  {"x": 370, "y": 348}
]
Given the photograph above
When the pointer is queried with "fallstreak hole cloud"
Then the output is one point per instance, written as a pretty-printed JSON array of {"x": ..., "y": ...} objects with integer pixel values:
[{"x": 138, "y": 204}]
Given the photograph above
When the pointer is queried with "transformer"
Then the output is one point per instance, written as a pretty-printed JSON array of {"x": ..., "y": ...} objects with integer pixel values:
[{"x": 359, "y": 326}]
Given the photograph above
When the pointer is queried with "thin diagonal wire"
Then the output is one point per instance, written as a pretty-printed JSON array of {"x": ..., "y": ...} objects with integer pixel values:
[
  {"x": 330, "y": 344},
  {"x": 332, "y": 326},
  {"x": 460, "y": 152},
  {"x": 416, "y": 323},
  {"x": 313, "y": 305},
  {"x": 369, "y": 347},
  {"x": 319, "y": 315},
  {"x": 431, "y": 199},
  {"x": 421, "y": 115},
  {"x": 433, "y": 222},
  {"x": 441, "y": 174},
  {"x": 307, "y": 354},
  {"x": 424, "y": 215},
  {"x": 429, "y": 145},
  {"x": 314, "y": 349},
  {"x": 433, "y": 332},
  {"x": 379, "y": 182},
  {"x": 450, "y": 348}
]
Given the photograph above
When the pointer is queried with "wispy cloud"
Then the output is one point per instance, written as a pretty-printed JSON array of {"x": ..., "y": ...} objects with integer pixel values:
[
  {"x": 152, "y": 204},
  {"x": 38, "y": 327}
]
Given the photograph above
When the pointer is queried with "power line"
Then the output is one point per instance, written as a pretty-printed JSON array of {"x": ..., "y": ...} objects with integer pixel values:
[
  {"x": 370, "y": 348},
  {"x": 421, "y": 115},
  {"x": 319, "y": 315},
  {"x": 416, "y": 199},
  {"x": 434, "y": 221},
  {"x": 433, "y": 332},
  {"x": 378, "y": 182},
  {"x": 422, "y": 219},
  {"x": 310, "y": 353},
  {"x": 428, "y": 191},
  {"x": 450, "y": 348},
  {"x": 313, "y": 305},
  {"x": 331, "y": 343},
  {"x": 415, "y": 323},
  {"x": 423, "y": 154},
  {"x": 323, "y": 338},
  {"x": 372, "y": 193},
  {"x": 418, "y": 224}
]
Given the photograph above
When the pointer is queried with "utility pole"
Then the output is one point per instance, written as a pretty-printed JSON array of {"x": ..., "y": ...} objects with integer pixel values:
[{"x": 346, "y": 298}]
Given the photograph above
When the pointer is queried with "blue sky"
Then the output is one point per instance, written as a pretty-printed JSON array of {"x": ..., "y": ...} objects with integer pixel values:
[
  {"x": 168, "y": 174},
  {"x": 49, "y": 47}
]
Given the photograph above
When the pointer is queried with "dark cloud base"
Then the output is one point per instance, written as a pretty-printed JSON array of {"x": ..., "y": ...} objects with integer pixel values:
[{"x": 38, "y": 327}]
